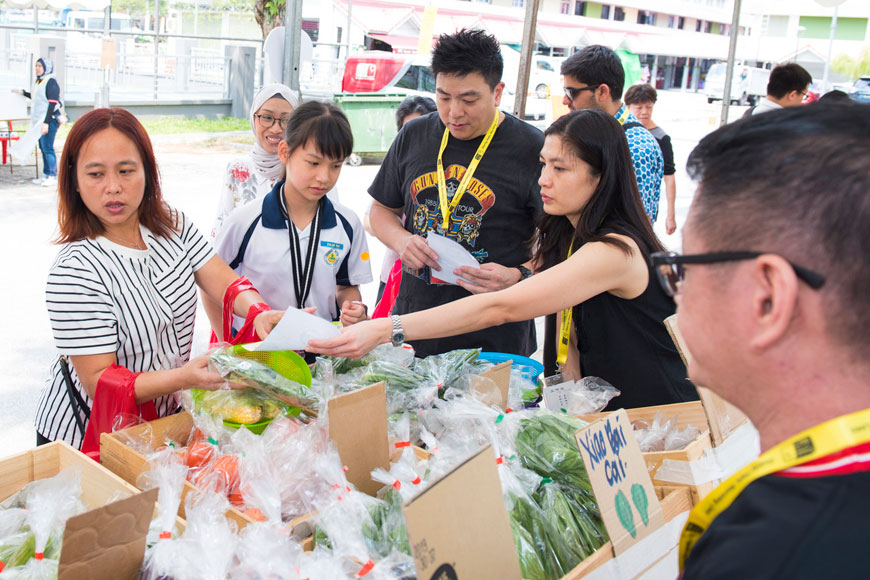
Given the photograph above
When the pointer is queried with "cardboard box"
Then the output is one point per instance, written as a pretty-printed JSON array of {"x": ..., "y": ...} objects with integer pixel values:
[{"x": 110, "y": 537}]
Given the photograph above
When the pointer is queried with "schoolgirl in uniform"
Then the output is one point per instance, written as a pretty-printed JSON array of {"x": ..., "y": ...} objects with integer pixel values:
[{"x": 298, "y": 248}]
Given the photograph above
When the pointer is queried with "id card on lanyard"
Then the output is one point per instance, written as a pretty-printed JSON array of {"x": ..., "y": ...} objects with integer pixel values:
[
  {"x": 815, "y": 443},
  {"x": 303, "y": 266}
]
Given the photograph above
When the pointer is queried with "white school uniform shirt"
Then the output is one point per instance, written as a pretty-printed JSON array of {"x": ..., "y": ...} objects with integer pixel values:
[
  {"x": 138, "y": 304},
  {"x": 264, "y": 258}
]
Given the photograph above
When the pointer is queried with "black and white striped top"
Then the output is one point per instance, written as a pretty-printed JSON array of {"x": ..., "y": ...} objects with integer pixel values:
[{"x": 139, "y": 304}]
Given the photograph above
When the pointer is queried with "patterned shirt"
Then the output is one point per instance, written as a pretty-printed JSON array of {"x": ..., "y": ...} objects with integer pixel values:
[{"x": 646, "y": 156}]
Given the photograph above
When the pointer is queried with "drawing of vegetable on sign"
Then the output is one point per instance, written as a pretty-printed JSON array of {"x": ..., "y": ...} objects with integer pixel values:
[{"x": 620, "y": 480}]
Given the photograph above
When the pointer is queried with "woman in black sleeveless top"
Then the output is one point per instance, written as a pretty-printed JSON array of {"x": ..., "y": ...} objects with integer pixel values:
[{"x": 591, "y": 256}]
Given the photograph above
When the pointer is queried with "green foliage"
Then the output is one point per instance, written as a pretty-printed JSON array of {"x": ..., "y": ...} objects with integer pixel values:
[
  {"x": 853, "y": 67},
  {"x": 274, "y": 8}
]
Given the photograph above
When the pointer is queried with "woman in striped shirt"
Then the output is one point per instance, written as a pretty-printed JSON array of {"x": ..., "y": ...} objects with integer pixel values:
[{"x": 121, "y": 293}]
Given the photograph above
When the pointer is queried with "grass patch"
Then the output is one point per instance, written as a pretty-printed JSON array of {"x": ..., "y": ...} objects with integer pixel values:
[{"x": 170, "y": 125}]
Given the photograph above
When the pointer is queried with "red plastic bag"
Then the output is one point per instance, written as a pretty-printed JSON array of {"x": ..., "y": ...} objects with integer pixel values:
[
  {"x": 247, "y": 333},
  {"x": 115, "y": 395},
  {"x": 385, "y": 307}
]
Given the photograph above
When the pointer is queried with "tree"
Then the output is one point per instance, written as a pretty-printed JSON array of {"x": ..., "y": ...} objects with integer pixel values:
[
  {"x": 853, "y": 67},
  {"x": 269, "y": 14}
]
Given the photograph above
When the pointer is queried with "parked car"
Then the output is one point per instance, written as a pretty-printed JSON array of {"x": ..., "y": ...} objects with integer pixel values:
[
  {"x": 378, "y": 71},
  {"x": 860, "y": 91}
]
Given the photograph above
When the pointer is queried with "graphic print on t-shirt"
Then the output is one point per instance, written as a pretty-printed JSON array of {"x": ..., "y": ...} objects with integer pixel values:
[{"x": 467, "y": 217}]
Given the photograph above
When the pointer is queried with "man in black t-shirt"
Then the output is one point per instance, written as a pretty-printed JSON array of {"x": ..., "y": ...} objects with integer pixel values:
[
  {"x": 773, "y": 307},
  {"x": 494, "y": 217}
]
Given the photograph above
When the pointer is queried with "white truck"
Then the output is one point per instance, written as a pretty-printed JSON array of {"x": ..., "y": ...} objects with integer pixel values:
[{"x": 748, "y": 84}]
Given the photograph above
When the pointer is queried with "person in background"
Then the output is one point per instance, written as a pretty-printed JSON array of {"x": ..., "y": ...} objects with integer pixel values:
[
  {"x": 409, "y": 109},
  {"x": 121, "y": 293},
  {"x": 772, "y": 304},
  {"x": 485, "y": 195},
  {"x": 787, "y": 87},
  {"x": 594, "y": 79},
  {"x": 835, "y": 96},
  {"x": 45, "y": 108},
  {"x": 640, "y": 100},
  {"x": 253, "y": 176},
  {"x": 591, "y": 263},
  {"x": 296, "y": 246}
]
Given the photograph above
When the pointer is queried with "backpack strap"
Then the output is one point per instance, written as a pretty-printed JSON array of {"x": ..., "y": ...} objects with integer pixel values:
[
  {"x": 631, "y": 125},
  {"x": 240, "y": 256}
]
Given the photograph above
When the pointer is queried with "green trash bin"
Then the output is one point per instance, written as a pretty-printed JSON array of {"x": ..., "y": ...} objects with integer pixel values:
[{"x": 372, "y": 119}]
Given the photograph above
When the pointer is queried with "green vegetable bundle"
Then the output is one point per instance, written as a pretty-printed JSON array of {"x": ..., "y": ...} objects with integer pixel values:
[
  {"x": 555, "y": 555},
  {"x": 545, "y": 444},
  {"x": 576, "y": 518},
  {"x": 396, "y": 376},
  {"x": 387, "y": 531},
  {"x": 243, "y": 406},
  {"x": 254, "y": 374}
]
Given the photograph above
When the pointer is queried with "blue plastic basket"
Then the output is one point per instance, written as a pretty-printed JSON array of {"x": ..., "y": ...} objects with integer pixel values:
[{"x": 529, "y": 367}]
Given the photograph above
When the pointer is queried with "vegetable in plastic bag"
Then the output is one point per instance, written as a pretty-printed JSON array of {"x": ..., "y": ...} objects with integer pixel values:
[{"x": 261, "y": 377}]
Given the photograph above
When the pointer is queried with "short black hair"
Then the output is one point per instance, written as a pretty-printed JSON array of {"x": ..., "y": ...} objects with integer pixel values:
[
  {"x": 795, "y": 182},
  {"x": 835, "y": 96},
  {"x": 640, "y": 94},
  {"x": 596, "y": 65},
  {"x": 323, "y": 123},
  {"x": 468, "y": 51},
  {"x": 785, "y": 78},
  {"x": 414, "y": 106}
]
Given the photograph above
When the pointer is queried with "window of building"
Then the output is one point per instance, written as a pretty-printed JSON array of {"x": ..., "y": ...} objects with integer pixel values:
[
  {"x": 651, "y": 18},
  {"x": 618, "y": 14},
  {"x": 672, "y": 21},
  {"x": 605, "y": 12},
  {"x": 708, "y": 26},
  {"x": 681, "y": 22},
  {"x": 579, "y": 8},
  {"x": 565, "y": 7},
  {"x": 698, "y": 25},
  {"x": 641, "y": 17},
  {"x": 519, "y": 3}
]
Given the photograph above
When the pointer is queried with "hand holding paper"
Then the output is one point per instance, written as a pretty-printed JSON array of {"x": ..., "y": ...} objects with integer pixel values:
[
  {"x": 451, "y": 255},
  {"x": 295, "y": 329}
]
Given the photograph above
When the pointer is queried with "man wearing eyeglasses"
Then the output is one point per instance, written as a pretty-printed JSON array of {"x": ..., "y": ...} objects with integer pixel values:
[
  {"x": 773, "y": 304},
  {"x": 594, "y": 79},
  {"x": 787, "y": 87}
]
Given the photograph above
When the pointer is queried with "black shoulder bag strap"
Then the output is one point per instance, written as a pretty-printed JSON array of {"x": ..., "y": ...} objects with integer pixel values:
[{"x": 75, "y": 399}]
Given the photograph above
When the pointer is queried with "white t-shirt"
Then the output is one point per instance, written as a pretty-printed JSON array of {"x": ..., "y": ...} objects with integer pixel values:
[
  {"x": 139, "y": 304},
  {"x": 342, "y": 253}
]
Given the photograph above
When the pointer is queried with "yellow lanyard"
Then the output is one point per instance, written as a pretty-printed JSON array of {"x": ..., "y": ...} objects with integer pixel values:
[
  {"x": 624, "y": 116},
  {"x": 819, "y": 441},
  {"x": 565, "y": 330},
  {"x": 448, "y": 207}
]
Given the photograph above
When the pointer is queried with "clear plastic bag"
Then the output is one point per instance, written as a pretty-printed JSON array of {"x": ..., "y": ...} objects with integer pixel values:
[
  {"x": 259, "y": 376},
  {"x": 167, "y": 473},
  {"x": 590, "y": 395},
  {"x": 663, "y": 434},
  {"x": 266, "y": 551}
]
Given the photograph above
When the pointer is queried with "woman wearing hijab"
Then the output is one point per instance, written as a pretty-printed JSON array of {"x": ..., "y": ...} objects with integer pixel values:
[
  {"x": 45, "y": 108},
  {"x": 252, "y": 177}
]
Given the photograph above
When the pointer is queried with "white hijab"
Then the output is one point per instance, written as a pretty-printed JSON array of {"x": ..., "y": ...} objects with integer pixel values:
[{"x": 268, "y": 165}]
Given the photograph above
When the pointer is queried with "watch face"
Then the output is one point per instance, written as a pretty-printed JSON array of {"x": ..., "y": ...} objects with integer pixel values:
[{"x": 398, "y": 338}]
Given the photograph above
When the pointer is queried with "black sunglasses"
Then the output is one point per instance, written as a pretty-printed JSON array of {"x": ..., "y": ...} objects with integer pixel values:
[
  {"x": 572, "y": 92},
  {"x": 670, "y": 272},
  {"x": 268, "y": 120}
]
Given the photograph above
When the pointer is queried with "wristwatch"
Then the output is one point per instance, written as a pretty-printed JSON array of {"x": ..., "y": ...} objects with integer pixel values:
[
  {"x": 524, "y": 273},
  {"x": 398, "y": 336}
]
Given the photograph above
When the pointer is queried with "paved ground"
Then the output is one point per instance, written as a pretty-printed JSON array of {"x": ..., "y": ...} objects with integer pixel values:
[{"x": 192, "y": 167}]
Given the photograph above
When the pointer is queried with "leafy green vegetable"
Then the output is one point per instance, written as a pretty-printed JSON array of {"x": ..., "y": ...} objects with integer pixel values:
[
  {"x": 546, "y": 445},
  {"x": 396, "y": 376}
]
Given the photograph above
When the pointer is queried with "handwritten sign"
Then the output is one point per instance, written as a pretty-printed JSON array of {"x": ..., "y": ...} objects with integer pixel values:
[{"x": 620, "y": 480}]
